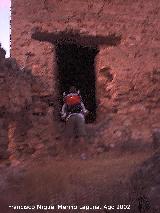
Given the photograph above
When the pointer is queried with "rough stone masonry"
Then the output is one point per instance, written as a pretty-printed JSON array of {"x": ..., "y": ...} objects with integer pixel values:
[{"x": 126, "y": 35}]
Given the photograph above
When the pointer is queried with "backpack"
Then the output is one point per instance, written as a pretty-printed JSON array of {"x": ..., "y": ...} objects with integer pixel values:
[{"x": 73, "y": 103}]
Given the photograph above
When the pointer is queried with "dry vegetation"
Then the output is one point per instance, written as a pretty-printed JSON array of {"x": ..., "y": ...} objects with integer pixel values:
[{"x": 99, "y": 181}]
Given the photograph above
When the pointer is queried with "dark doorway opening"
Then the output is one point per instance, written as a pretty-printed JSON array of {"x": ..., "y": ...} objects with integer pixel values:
[{"x": 76, "y": 67}]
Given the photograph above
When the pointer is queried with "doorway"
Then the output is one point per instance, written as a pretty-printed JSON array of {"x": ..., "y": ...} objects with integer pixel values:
[{"x": 76, "y": 67}]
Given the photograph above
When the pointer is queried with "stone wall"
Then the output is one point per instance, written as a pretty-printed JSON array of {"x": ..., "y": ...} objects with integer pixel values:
[
  {"x": 17, "y": 88},
  {"x": 26, "y": 117},
  {"x": 15, "y": 96}
]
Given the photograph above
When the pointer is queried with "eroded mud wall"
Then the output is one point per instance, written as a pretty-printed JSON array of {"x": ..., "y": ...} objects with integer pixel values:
[{"x": 127, "y": 74}]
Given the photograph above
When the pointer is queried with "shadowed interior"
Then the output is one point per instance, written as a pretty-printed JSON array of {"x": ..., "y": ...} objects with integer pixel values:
[{"x": 76, "y": 67}]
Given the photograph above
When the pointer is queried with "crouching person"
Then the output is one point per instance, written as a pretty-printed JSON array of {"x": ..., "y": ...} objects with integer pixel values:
[{"x": 73, "y": 112}]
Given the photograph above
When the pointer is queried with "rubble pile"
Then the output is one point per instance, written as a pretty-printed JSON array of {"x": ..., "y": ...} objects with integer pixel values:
[
  {"x": 17, "y": 108},
  {"x": 145, "y": 185}
]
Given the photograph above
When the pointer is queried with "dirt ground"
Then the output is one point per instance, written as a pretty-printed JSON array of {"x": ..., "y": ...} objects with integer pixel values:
[{"x": 101, "y": 181}]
